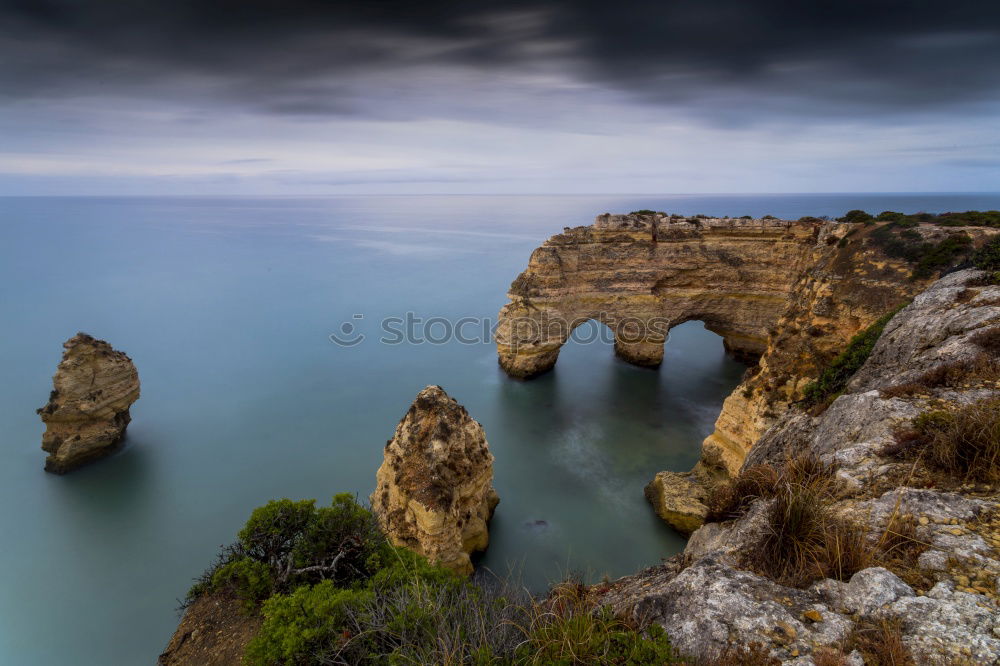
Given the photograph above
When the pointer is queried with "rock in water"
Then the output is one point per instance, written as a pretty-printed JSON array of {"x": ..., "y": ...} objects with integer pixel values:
[
  {"x": 679, "y": 499},
  {"x": 87, "y": 412},
  {"x": 434, "y": 491}
]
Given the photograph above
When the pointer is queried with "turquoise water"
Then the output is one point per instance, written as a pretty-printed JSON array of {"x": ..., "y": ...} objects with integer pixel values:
[{"x": 226, "y": 306}]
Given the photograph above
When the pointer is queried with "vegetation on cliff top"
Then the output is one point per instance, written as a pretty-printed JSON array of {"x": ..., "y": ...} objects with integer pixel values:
[
  {"x": 332, "y": 590},
  {"x": 898, "y": 238},
  {"x": 969, "y": 218}
]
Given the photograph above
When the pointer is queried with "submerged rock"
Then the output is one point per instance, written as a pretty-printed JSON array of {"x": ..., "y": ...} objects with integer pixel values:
[
  {"x": 88, "y": 409},
  {"x": 434, "y": 491}
]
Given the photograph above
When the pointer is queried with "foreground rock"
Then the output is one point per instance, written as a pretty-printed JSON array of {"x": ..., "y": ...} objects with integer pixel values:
[
  {"x": 679, "y": 499},
  {"x": 88, "y": 409},
  {"x": 434, "y": 491},
  {"x": 947, "y": 609}
]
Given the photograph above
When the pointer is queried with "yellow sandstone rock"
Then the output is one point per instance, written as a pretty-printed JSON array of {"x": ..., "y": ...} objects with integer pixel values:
[
  {"x": 434, "y": 491},
  {"x": 88, "y": 409}
]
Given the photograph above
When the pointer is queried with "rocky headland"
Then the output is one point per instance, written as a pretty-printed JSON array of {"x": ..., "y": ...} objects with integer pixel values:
[
  {"x": 786, "y": 295},
  {"x": 88, "y": 409},
  {"x": 846, "y": 509},
  {"x": 434, "y": 491},
  {"x": 917, "y": 554}
]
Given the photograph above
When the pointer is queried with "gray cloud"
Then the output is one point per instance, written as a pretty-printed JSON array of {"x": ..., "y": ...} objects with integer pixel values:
[{"x": 729, "y": 61}]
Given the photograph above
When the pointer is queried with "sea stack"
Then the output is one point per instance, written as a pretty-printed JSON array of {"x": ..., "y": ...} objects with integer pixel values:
[
  {"x": 88, "y": 409},
  {"x": 434, "y": 491}
]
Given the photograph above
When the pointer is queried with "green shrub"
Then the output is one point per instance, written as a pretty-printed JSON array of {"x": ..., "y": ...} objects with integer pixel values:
[
  {"x": 987, "y": 257},
  {"x": 838, "y": 372},
  {"x": 898, "y": 241},
  {"x": 248, "y": 579},
  {"x": 942, "y": 255},
  {"x": 331, "y": 589},
  {"x": 856, "y": 216},
  {"x": 286, "y": 543},
  {"x": 303, "y": 624}
]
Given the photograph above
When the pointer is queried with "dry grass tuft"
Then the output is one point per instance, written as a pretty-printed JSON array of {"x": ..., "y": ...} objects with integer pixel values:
[
  {"x": 899, "y": 548},
  {"x": 988, "y": 339},
  {"x": 753, "y": 654},
  {"x": 904, "y": 390},
  {"x": 881, "y": 643},
  {"x": 964, "y": 443},
  {"x": 829, "y": 657},
  {"x": 732, "y": 499},
  {"x": 984, "y": 366},
  {"x": 966, "y": 295},
  {"x": 804, "y": 541}
]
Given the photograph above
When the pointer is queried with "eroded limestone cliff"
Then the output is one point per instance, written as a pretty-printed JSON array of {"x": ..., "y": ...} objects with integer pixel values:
[
  {"x": 791, "y": 293},
  {"x": 933, "y": 535},
  {"x": 88, "y": 409},
  {"x": 434, "y": 491}
]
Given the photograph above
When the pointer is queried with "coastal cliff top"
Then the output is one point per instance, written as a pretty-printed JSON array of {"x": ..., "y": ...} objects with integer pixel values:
[{"x": 639, "y": 220}]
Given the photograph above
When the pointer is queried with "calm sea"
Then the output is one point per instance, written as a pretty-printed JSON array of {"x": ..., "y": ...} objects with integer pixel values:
[{"x": 226, "y": 306}]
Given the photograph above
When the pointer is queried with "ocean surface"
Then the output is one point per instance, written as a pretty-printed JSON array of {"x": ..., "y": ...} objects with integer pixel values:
[{"x": 227, "y": 306}]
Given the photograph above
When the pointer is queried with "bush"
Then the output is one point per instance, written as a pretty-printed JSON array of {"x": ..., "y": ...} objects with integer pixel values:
[
  {"x": 855, "y": 216},
  {"x": 987, "y": 257},
  {"x": 299, "y": 626},
  {"x": 330, "y": 589},
  {"x": 834, "y": 377},
  {"x": 248, "y": 579},
  {"x": 288, "y": 543},
  {"x": 964, "y": 443},
  {"x": 942, "y": 255}
]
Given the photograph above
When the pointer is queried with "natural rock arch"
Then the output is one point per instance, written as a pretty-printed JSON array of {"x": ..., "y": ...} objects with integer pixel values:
[
  {"x": 792, "y": 292},
  {"x": 644, "y": 274}
]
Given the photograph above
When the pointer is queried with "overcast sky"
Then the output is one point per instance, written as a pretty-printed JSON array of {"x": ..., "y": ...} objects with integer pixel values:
[{"x": 325, "y": 97}]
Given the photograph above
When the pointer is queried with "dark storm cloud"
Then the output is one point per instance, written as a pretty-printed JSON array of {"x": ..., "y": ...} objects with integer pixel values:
[{"x": 317, "y": 57}]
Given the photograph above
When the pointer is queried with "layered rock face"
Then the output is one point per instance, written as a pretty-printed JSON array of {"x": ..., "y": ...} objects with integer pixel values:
[
  {"x": 88, "y": 409},
  {"x": 434, "y": 491},
  {"x": 707, "y": 600},
  {"x": 643, "y": 274},
  {"x": 789, "y": 292}
]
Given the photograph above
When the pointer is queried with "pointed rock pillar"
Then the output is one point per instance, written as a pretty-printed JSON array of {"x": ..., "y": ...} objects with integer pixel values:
[{"x": 434, "y": 491}]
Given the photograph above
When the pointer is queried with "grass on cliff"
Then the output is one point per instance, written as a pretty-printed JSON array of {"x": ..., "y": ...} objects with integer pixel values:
[
  {"x": 330, "y": 589},
  {"x": 964, "y": 443},
  {"x": 834, "y": 377},
  {"x": 803, "y": 539}
]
